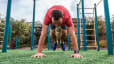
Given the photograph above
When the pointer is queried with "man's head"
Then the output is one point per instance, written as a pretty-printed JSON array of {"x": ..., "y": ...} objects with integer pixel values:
[{"x": 56, "y": 17}]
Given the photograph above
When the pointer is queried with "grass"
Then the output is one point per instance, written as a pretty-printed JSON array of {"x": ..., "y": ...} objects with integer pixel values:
[{"x": 56, "y": 57}]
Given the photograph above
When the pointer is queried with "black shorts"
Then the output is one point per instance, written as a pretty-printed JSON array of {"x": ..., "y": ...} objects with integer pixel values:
[{"x": 63, "y": 27}]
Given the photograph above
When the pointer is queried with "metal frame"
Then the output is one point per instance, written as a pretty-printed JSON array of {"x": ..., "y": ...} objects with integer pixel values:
[
  {"x": 107, "y": 21},
  {"x": 108, "y": 28},
  {"x": 5, "y": 40},
  {"x": 32, "y": 35}
]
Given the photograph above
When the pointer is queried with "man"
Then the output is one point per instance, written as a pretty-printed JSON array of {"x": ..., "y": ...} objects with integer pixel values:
[{"x": 57, "y": 16}]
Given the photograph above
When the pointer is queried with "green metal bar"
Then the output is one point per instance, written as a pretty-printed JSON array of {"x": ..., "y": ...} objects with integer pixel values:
[
  {"x": 83, "y": 20},
  {"x": 6, "y": 32},
  {"x": 32, "y": 36},
  {"x": 108, "y": 28},
  {"x": 78, "y": 20},
  {"x": 48, "y": 36},
  {"x": 96, "y": 25},
  {"x": 68, "y": 41},
  {"x": 19, "y": 42},
  {"x": 16, "y": 42},
  {"x": 10, "y": 33}
]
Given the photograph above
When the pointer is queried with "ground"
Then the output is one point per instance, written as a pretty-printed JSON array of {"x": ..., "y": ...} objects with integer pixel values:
[{"x": 56, "y": 57}]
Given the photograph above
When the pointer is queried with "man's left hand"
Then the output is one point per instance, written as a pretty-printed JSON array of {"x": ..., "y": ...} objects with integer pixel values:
[{"x": 76, "y": 55}]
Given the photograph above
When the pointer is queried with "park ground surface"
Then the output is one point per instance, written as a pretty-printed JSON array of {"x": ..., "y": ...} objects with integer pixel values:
[{"x": 55, "y": 57}]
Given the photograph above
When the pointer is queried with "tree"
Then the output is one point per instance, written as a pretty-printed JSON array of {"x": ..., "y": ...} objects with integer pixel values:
[{"x": 22, "y": 30}]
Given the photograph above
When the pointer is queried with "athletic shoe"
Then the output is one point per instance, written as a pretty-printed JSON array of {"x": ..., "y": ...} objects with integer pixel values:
[
  {"x": 54, "y": 46},
  {"x": 63, "y": 47}
]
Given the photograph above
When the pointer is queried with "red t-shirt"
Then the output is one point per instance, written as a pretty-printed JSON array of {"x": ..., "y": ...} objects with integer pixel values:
[{"x": 66, "y": 16}]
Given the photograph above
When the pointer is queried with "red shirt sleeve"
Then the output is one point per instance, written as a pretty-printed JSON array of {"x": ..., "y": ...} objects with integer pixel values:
[
  {"x": 69, "y": 22},
  {"x": 46, "y": 19}
]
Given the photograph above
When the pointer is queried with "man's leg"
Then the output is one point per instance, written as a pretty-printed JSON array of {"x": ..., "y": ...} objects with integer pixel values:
[
  {"x": 53, "y": 36},
  {"x": 63, "y": 37}
]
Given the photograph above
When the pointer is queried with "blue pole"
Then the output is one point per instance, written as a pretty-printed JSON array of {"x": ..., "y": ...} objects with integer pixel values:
[
  {"x": 48, "y": 36},
  {"x": 6, "y": 32},
  {"x": 10, "y": 33},
  {"x": 108, "y": 28},
  {"x": 68, "y": 41},
  {"x": 32, "y": 36},
  {"x": 96, "y": 25},
  {"x": 78, "y": 20},
  {"x": 84, "y": 33},
  {"x": 16, "y": 43},
  {"x": 19, "y": 42}
]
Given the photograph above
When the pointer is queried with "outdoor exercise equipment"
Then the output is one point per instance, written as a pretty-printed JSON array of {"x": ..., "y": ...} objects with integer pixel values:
[{"x": 107, "y": 22}]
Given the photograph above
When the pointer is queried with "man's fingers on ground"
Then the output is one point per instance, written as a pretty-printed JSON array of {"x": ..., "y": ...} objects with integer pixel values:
[
  {"x": 77, "y": 56},
  {"x": 44, "y": 55},
  {"x": 71, "y": 55}
]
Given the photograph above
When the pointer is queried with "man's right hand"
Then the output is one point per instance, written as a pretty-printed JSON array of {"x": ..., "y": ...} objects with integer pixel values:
[{"x": 39, "y": 55}]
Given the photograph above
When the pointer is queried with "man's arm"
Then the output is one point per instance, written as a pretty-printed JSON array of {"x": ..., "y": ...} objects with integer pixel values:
[
  {"x": 42, "y": 38},
  {"x": 74, "y": 41},
  {"x": 39, "y": 53}
]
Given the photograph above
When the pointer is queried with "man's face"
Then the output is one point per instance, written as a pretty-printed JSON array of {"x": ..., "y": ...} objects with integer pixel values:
[{"x": 57, "y": 22}]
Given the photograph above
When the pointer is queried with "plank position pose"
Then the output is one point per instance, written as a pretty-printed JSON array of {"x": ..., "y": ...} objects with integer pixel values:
[{"x": 57, "y": 16}]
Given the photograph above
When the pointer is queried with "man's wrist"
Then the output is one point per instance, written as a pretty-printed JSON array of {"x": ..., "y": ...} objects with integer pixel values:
[{"x": 76, "y": 51}]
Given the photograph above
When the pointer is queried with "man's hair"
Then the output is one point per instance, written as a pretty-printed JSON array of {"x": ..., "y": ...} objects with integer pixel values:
[{"x": 56, "y": 14}]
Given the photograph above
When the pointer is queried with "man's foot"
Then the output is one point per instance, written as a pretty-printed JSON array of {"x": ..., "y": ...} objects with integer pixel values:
[
  {"x": 63, "y": 46},
  {"x": 54, "y": 46}
]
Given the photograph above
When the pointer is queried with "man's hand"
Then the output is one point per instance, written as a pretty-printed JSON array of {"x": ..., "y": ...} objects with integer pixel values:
[
  {"x": 76, "y": 55},
  {"x": 39, "y": 55}
]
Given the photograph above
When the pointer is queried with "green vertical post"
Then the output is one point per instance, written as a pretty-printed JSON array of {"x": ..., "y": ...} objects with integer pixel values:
[
  {"x": 96, "y": 25},
  {"x": 48, "y": 36},
  {"x": 6, "y": 32},
  {"x": 68, "y": 41},
  {"x": 78, "y": 21},
  {"x": 19, "y": 42},
  {"x": 108, "y": 28},
  {"x": 10, "y": 33},
  {"x": 84, "y": 33},
  {"x": 16, "y": 42},
  {"x": 32, "y": 36}
]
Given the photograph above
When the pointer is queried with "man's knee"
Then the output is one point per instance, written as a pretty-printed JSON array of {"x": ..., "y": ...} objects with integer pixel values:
[
  {"x": 52, "y": 33},
  {"x": 64, "y": 33}
]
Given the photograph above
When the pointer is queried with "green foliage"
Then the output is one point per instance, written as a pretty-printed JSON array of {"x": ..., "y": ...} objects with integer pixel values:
[{"x": 22, "y": 30}]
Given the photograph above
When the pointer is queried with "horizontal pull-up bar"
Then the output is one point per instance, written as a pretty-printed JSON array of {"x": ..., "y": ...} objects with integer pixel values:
[
  {"x": 90, "y": 8},
  {"x": 87, "y": 8},
  {"x": 87, "y": 13}
]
